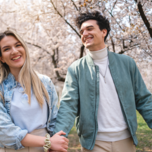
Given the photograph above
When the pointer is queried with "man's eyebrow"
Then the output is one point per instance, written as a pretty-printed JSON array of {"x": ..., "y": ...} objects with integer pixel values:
[{"x": 87, "y": 27}]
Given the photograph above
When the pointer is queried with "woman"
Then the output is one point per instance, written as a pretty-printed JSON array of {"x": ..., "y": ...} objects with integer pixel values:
[{"x": 28, "y": 103}]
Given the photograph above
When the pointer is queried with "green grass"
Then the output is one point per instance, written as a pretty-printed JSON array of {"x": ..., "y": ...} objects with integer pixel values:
[
  {"x": 74, "y": 145},
  {"x": 144, "y": 135}
]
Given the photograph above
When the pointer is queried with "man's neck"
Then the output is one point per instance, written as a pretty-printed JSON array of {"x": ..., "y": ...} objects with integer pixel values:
[{"x": 98, "y": 55}]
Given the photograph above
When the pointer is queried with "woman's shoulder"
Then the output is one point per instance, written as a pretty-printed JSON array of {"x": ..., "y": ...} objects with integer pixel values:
[
  {"x": 45, "y": 79},
  {"x": 8, "y": 83},
  {"x": 1, "y": 86}
]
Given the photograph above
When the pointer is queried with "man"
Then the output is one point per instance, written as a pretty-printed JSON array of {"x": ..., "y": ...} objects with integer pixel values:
[{"x": 102, "y": 91}]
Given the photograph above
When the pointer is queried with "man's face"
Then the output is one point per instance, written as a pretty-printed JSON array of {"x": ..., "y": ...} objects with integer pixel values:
[{"x": 91, "y": 35}]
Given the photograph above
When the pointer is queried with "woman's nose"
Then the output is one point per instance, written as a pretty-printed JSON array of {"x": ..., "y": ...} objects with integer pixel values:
[{"x": 14, "y": 50}]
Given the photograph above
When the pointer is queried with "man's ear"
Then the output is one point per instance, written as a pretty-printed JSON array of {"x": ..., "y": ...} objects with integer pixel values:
[
  {"x": 104, "y": 32},
  {"x": 1, "y": 59}
]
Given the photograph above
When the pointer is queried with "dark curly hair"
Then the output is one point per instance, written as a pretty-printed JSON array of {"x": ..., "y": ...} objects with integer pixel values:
[{"x": 102, "y": 21}]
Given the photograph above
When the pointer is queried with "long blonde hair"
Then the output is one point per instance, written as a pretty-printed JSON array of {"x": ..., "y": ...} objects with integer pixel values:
[{"x": 27, "y": 76}]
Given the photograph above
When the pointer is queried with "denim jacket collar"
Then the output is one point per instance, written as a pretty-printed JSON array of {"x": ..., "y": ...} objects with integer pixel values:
[{"x": 10, "y": 81}]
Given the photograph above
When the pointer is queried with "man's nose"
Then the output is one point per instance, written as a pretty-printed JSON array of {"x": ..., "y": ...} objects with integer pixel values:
[{"x": 85, "y": 32}]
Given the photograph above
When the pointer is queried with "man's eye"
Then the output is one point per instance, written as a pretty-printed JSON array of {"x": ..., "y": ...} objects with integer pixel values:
[
  {"x": 81, "y": 32},
  {"x": 89, "y": 29}
]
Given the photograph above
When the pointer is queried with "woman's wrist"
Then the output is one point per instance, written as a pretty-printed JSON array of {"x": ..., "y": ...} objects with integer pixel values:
[
  {"x": 47, "y": 142},
  {"x": 33, "y": 141}
]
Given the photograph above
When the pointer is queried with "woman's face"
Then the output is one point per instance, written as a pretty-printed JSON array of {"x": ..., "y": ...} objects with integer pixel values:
[{"x": 13, "y": 53}]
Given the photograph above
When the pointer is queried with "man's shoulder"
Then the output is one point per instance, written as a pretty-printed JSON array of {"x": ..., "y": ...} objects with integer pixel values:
[
  {"x": 79, "y": 62},
  {"x": 123, "y": 61},
  {"x": 122, "y": 57}
]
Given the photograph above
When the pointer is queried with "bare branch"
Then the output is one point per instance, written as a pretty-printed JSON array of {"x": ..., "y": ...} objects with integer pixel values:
[
  {"x": 113, "y": 44},
  {"x": 65, "y": 19},
  {"x": 54, "y": 61},
  {"x": 114, "y": 19},
  {"x": 114, "y": 6},
  {"x": 144, "y": 18},
  {"x": 81, "y": 51},
  {"x": 75, "y": 5}
]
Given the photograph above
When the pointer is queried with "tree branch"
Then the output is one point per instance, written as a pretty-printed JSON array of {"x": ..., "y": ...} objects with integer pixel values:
[
  {"x": 113, "y": 45},
  {"x": 114, "y": 19},
  {"x": 55, "y": 65},
  {"x": 81, "y": 51},
  {"x": 75, "y": 5},
  {"x": 38, "y": 47},
  {"x": 114, "y": 6},
  {"x": 144, "y": 18},
  {"x": 54, "y": 61},
  {"x": 65, "y": 19}
]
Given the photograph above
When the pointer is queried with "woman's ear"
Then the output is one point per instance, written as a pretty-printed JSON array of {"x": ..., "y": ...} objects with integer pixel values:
[{"x": 1, "y": 59}]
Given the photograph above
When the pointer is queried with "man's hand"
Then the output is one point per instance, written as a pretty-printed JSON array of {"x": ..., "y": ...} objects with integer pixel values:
[{"x": 59, "y": 143}]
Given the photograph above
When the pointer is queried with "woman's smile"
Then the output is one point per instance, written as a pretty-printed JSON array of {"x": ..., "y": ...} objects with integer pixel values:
[{"x": 13, "y": 53}]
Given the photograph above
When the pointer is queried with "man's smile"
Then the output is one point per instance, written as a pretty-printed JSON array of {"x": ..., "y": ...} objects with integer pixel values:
[{"x": 88, "y": 38}]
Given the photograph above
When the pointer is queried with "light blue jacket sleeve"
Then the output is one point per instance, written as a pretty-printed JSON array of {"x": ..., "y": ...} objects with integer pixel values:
[
  {"x": 54, "y": 107},
  {"x": 10, "y": 135}
]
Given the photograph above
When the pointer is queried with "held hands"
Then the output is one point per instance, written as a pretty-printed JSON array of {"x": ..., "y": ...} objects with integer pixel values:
[{"x": 59, "y": 143}]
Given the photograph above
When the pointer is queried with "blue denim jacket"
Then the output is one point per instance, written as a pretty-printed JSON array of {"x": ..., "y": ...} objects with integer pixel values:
[{"x": 11, "y": 135}]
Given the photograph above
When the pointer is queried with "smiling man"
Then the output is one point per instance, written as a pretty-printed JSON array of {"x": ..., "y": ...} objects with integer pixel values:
[{"x": 102, "y": 91}]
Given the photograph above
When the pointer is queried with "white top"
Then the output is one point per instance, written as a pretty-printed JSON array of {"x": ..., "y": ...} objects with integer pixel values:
[
  {"x": 111, "y": 122},
  {"x": 27, "y": 116}
]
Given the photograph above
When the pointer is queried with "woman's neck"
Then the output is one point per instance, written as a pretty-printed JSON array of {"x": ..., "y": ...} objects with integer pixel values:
[{"x": 15, "y": 73}]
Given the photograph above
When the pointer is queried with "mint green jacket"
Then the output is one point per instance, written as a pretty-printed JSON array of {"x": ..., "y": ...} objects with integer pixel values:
[{"x": 80, "y": 97}]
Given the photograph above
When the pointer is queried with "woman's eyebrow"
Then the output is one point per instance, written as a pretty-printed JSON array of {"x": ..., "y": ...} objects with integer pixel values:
[
  {"x": 8, "y": 45},
  {"x": 5, "y": 47},
  {"x": 17, "y": 42}
]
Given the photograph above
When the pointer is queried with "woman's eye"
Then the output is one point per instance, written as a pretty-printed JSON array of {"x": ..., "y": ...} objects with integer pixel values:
[
  {"x": 6, "y": 49},
  {"x": 18, "y": 45}
]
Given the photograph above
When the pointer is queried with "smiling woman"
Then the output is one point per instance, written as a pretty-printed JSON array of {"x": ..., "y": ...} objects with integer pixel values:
[
  {"x": 12, "y": 54},
  {"x": 28, "y": 103}
]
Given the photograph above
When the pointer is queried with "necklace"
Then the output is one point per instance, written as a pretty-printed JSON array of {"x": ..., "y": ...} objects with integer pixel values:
[{"x": 104, "y": 76}]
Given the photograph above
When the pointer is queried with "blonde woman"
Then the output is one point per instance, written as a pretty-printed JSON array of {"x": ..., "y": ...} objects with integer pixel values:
[{"x": 28, "y": 103}]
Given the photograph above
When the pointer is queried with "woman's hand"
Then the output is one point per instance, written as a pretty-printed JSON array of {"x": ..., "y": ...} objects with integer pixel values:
[{"x": 58, "y": 142}]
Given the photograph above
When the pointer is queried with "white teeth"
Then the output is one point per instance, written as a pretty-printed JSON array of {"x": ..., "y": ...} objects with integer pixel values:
[
  {"x": 16, "y": 58},
  {"x": 85, "y": 39}
]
